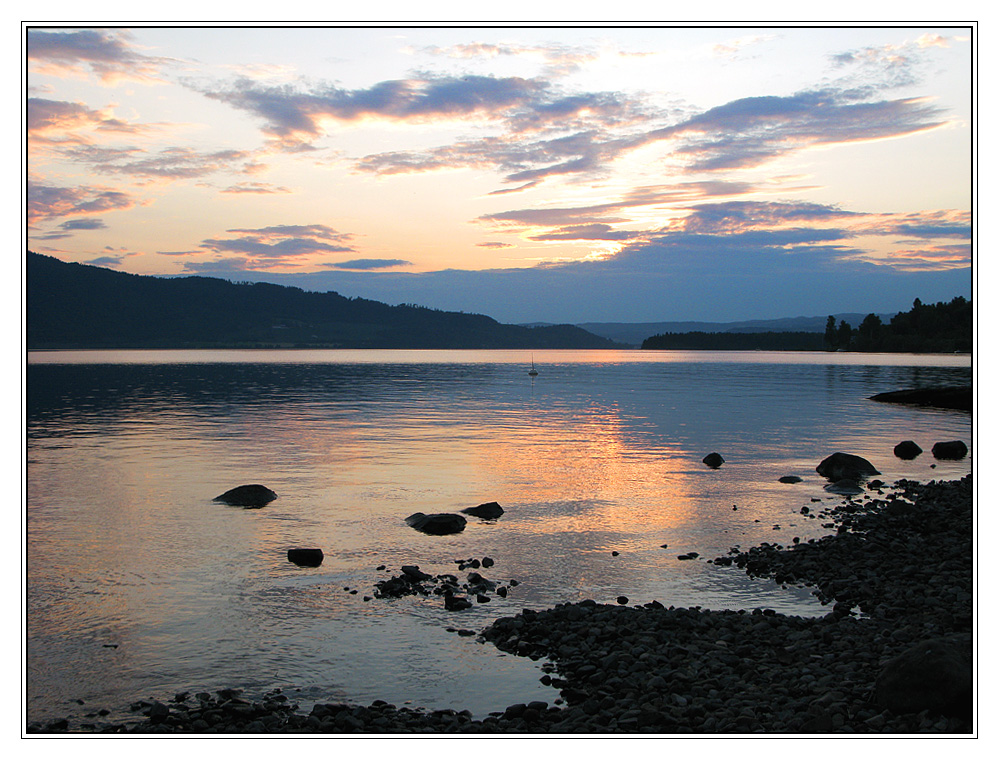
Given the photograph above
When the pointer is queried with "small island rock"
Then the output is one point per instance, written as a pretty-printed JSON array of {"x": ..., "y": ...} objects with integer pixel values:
[
  {"x": 436, "y": 525},
  {"x": 789, "y": 479},
  {"x": 247, "y": 496},
  {"x": 950, "y": 450},
  {"x": 488, "y": 511},
  {"x": 713, "y": 460},
  {"x": 840, "y": 466},
  {"x": 306, "y": 557},
  {"x": 908, "y": 450}
]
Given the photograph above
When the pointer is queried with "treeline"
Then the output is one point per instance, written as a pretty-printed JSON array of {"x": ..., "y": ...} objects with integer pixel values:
[
  {"x": 732, "y": 341},
  {"x": 81, "y": 306},
  {"x": 925, "y": 328}
]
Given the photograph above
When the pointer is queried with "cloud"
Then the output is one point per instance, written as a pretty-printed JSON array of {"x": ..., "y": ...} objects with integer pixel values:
[
  {"x": 108, "y": 261},
  {"x": 368, "y": 264},
  {"x": 107, "y": 54},
  {"x": 83, "y": 224},
  {"x": 494, "y": 244},
  {"x": 173, "y": 163},
  {"x": 278, "y": 245},
  {"x": 748, "y": 132},
  {"x": 294, "y": 116},
  {"x": 677, "y": 194},
  {"x": 257, "y": 188},
  {"x": 46, "y": 202}
]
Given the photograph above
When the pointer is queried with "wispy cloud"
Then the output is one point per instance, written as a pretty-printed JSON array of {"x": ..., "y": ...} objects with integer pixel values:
[
  {"x": 46, "y": 202},
  {"x": 275, "y": 246},
  {"x": 255, "y": 188},
  {"x": 108, "y": 54},
  {"x": 173, "y": 163},
  {"x": 368, "y": 264}
]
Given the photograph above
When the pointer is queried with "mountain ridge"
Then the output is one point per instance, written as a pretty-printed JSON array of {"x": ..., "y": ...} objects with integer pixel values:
[{"x": 72, "y": 305}]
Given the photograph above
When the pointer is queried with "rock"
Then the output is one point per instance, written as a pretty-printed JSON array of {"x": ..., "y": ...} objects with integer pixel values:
[
  {"x": 306, "y": 557},
  {"x": 622, "y": 600},
  {"x": 488, "y": 511},
  {"x": 950, "y": 450},
  {"x": 840, "y": 466},
  {"x": 713, "y": 460},
  {"x": 789, "y": 479},
  {"x": 907, "y": 450},
  {"x": 844, "y": 487},
  {"x": 934, "y": 675},
  {"x": 456, "y": 603},
  {"x": 247, "y": 496},
  {"x": 944, "y": 398},
  {"x": 436, "y": 525}
]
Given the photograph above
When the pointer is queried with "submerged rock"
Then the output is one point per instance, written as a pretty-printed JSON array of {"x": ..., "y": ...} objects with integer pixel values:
[
  {"x": 845, "y": 487},
  {"x": 254, "y": 495},
  {"x": 436, "y": 525},
  {"x": 488, "y": 511},
  {"x": 840, "y": 466},
  {"x": 950, "y": 450},
  {"x": 713, "y": 460},
  {"x": 306, "y": 557},
  {"x": 907, "y": 450}
]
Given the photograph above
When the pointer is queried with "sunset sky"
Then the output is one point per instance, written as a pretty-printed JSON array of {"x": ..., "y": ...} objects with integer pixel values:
[{"x": 561, "y": 174}]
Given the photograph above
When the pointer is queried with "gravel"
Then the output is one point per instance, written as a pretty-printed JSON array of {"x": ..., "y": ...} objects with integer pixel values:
[{"x": 897, "y": 571}]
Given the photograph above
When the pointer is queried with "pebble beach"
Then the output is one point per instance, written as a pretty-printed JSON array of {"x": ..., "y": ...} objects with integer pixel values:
[{"x": 893, "y": 655}]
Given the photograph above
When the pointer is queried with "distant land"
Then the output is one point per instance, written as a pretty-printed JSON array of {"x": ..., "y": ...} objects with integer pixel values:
[
  {"x": 82, "y": 306},
  {"x": 634, "y": 333}
]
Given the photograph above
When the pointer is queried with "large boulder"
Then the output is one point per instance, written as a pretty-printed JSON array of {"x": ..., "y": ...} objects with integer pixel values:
[
  {"x": 840, "y": 466},
  {"x": 950, "y": 450},
  {"x": 306, "y": 557},
  {"x": 247, "y": 496},
  {"x": 934, "y": 675},
  {"x": 488, "y": 511},
  {"x": 908, "y": 450},
  {"x": 713, "y": 460},
  {"x": 436, "y": 525}
]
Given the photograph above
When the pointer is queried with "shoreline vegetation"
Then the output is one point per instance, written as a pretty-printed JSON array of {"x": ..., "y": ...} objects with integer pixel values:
[
  {"x": 892, "y": 656},
  {"x": 941, "y": 328}
]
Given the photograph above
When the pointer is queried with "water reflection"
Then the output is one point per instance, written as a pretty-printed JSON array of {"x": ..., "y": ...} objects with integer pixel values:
[{"x": 125, "y": 547}]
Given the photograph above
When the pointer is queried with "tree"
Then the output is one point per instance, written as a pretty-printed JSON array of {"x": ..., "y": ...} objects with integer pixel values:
[
  {"x": 844, "y": 334},
  {"x": 830, "y": 337}
]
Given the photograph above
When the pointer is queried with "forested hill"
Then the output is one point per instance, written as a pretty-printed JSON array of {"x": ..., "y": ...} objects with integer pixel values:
[{"x": 81, "y": 306}]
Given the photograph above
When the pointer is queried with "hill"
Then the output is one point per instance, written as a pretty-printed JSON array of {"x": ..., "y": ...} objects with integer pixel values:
[{"x": 81, "y": 306}]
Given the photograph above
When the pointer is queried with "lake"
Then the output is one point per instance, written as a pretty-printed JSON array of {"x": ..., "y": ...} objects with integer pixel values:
[{"x": 140, "y": 586}]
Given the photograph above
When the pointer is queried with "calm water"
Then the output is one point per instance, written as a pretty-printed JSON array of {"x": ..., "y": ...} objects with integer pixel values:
[{"x": 140, "y": 586}]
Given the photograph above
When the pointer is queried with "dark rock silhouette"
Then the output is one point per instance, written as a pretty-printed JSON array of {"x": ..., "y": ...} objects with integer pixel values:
[
  {"x": 713, "y": 460},
  {"x": 908, "y": 450},
  {"x": 943, "y": 398},
  {"x": 306, "y": 557},
  {"x": 436, "y": 525},
  {"x": 840, "y": 466},
  {"x": 247, "y": 496},
  {"x": 489, "y": 511},
  {"x": 950, "y": 450},
  {"x": 934, "y": 675},
  {"x": 789, "y": 479}
]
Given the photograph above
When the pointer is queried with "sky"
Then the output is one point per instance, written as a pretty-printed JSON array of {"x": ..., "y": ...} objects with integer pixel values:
[{"x": 532, "y": 173}]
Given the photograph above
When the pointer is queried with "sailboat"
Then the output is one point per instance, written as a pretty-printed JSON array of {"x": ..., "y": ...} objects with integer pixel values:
[{"x": 533, "y": 372}]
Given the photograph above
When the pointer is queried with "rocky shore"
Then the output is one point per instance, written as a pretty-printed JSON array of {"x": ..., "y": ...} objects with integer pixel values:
[{"x": 893, "y": 655}]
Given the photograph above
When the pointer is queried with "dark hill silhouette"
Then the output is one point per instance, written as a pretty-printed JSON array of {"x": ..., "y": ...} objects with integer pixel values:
[{"x": 82, "y": 306}]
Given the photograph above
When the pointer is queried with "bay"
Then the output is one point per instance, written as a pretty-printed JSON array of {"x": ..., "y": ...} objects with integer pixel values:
[{"x": 139, "y": 586}]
